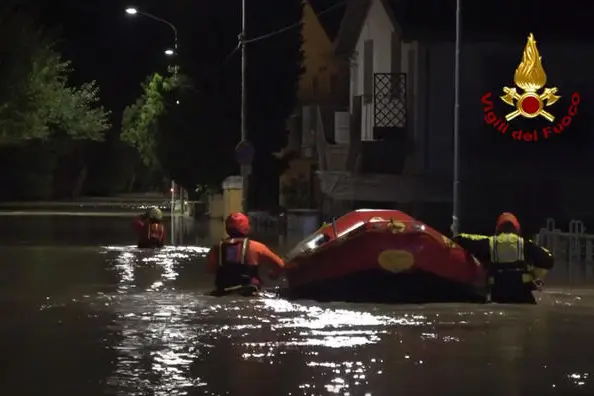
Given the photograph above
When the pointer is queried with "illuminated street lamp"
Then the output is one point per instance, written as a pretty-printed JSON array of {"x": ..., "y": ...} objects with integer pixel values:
[
  {"x": 136, "y": 11},
  {"x": 169, "y": 52}
]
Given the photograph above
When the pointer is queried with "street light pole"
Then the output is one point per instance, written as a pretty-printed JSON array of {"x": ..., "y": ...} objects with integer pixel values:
[
  {"x": 456, "y": 183},
  {"x": 245, "y": 171},
  {"x": 135, "y": 11}
]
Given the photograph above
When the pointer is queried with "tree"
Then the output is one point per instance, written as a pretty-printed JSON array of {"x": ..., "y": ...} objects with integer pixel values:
[
  {"x": 79, "y": 112},
  {"x": 47, "y": 118},
  {"x": 139, "y": 125},
  {"x": 140, "y": 120},
  {"x": 35, "y": 98}
]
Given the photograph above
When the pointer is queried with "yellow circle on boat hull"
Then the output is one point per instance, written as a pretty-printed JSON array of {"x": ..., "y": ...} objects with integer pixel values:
[{"x": 396, "y": 260}]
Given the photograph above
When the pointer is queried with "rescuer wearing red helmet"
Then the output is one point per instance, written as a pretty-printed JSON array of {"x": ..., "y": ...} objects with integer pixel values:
[
  {"x": 515, "y": 266},
  {"x": 235, "y": 260}
]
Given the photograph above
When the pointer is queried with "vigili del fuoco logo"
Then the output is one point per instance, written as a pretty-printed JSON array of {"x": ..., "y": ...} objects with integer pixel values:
[{"x": 530, "y": 101}]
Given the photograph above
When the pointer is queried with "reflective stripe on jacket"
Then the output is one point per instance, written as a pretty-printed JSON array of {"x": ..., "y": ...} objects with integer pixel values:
[
  {"x": 234, "y": 270},
  {"x": 156, "y": 231},
  {"x": 233, "y": 251},
  {"x": 507, "y": 255},
  {"x": 506, "y": 249}
]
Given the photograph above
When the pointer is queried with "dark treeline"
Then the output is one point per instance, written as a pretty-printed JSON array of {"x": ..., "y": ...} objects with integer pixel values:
[
  {"x": 152, "y": 120},
  {"x": 46, "y": 123}
]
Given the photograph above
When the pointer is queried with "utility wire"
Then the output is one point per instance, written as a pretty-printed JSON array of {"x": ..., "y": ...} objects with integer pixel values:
[
  {"x": 293, "y": 26},
  {"x": 279, "y": 31},
  {"x": 230, "y": 55},
  {"x": 275, "y": 32}
]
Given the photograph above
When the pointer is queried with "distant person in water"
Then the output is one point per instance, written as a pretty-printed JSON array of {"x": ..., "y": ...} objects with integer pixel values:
[
  {"x": 235, "y": 260},
  {"x": 149, "y": 229}
]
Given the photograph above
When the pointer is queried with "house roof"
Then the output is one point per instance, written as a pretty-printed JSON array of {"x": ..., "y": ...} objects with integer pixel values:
[
  {"x": 498, "y": 20},
  {"x": 352, "y": 24},
  {"x": 330, "y": 20}
]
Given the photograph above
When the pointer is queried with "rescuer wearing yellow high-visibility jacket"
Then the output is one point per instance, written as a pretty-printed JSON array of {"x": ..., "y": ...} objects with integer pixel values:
[{"x": 515, "y": 266}]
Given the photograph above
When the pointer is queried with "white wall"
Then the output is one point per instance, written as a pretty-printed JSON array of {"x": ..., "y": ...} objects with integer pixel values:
[{"x": 377, "y": 27}]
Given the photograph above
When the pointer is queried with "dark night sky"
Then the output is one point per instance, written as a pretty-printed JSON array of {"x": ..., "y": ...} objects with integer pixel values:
[
  {"x": 119, "y": 51},
  {"x": 106, "y": 44}
]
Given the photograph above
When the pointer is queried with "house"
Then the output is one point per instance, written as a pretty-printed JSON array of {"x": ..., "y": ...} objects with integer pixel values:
[
  {"x": 401, "y": 102},
  {"x": 323, "y": 85},
  {"x": 386, "y": 157}
]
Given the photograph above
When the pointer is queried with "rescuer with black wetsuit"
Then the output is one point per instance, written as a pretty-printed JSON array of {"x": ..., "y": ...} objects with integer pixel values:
[
  {"x": 515, "y": 266},
  {"x": 235, "y": 260}
]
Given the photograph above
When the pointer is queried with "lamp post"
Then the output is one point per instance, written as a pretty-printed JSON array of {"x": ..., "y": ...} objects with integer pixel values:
[
  {"x": 456, "y": 183},
  {"x": 244, "y": 166},
  {"x": 135, "y": 11},
  {"x": 169, "y": 52}
]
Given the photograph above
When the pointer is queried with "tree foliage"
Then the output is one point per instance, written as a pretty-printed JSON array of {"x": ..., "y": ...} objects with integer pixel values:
[
  {"x": 35, "y": 97},
  {"x": 140, "y": 121},
  {"x": 46, "y": 122}
]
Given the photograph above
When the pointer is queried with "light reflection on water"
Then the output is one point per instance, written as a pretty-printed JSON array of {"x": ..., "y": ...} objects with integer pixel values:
[{"x": 181, "y": 342}]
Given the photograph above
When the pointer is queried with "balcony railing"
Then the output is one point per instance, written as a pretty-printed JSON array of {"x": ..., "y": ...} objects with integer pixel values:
[{"x": 389, "y": 106}]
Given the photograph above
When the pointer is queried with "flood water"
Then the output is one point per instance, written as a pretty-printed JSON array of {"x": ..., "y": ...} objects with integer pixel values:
[{"x": 98, "y": 317}]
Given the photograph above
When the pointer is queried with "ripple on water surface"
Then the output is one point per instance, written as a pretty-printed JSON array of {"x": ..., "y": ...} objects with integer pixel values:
[{"x": 170, "y": 339}]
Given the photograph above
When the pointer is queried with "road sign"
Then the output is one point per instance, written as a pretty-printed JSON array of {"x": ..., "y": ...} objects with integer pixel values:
[{"x": 244, "y": 152}]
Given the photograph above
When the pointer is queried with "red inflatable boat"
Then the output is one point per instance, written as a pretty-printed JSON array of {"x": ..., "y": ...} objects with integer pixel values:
[{"x": 382, "y": 256}]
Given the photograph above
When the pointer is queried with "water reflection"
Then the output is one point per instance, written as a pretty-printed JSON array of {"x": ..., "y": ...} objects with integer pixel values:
[
  {"x": 165, "y": 261},
  {"x": 156, "y": 347},
  {"x": 167, "y": 338},
  {"x": 175, "y": 342},
  {"x": 578, "y": 379},
  {"x": 75, "y": 318}
]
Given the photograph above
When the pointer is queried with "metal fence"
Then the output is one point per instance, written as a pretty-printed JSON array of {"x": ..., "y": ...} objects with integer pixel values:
[{"x": 573, "y": 251}]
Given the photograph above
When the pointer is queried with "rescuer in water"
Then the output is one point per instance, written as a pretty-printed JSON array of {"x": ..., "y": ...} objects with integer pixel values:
[
  {"x": 515, "y": 266},
  {"x": 149, "y": 229},
  {"x": 235, "y": 260}
]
